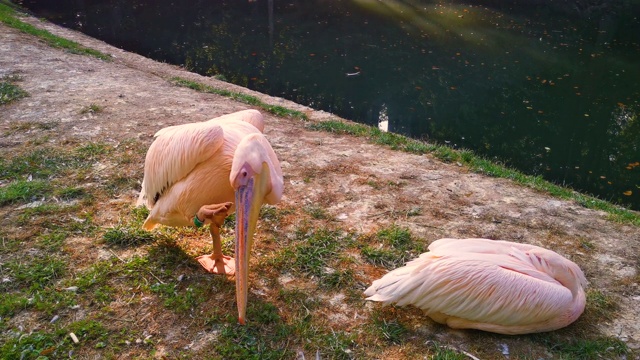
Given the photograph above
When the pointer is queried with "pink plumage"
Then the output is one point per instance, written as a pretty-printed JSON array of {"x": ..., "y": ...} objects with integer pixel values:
[
  {"x": 196, "y": 174},
  {"x": 490, "y": 285}
]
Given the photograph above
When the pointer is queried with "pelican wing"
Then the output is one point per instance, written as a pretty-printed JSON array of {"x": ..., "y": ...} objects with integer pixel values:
[
  {"x": 503, "y": 288},
  {"x": 175, "y": 152}
]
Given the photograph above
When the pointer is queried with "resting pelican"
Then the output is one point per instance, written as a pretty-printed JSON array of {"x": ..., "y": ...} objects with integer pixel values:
[
  {"x": 490, "y": 285},
  {"x": 193, "y": 172}
]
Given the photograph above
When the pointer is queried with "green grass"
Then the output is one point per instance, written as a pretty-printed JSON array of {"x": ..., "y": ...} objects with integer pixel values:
[
  {"x": 10, "y": 92},
  {"x": 9, "y": 16},
  {"x": 317, "y": 212},
  {"x": 47, "y": 162},
  {"x": 600, "y": 305},
  {"x": 179, "y": 298},
  {"x": 590, "y": 348},
  {"x": 390, "y": 330},
  {"x": 476, "y": 164},
  {"x": 55, "y": 344},
  {"x": 34, "y": 274},
  {"x": 318, "y": 254},
  {"x": 394, "y": 246},
  {"x": 91, "y": 109},
  {"x": 445, "y": 353},
  {"x": 31, "y": 125},
  {"x": 127, "y": 236},
  {"x": 24, "y": 191},
  {"x": 243, "y": 98}
]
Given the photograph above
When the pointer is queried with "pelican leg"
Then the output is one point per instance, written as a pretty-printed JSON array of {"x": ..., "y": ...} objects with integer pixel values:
[{"x": 216, "y": 263}]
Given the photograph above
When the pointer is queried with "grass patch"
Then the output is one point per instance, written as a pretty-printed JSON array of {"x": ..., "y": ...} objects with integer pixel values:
[
  {"x": 391, "y": 247},
  {"x": 249, "y": 342},
  {"x": 91, "y": 109},
  {"x": 24, "y": 191},
  {"x": 9, "y": 16},
  {"x": 56, "y": 344},
  {"x": 390, "y": 330},
  {"x": 600, "y": 305},
  {"x": 52, "y": 241},
  {"x": 318, "y": 254},
  {"x": 95, "y": 276},
  {"x": 178, "y": 299},
  {"x": 582, "y": 348},
  {"x": 35, "y": 275},
  {"x": 72, "y": 193},
  {"x": 10, "y": 92},
  {"x": 276, "y": 110},
  {"x": 31, "y": 125},
  {"x": 127, "y": 236},
  {"x": 48, "y": 162},
  {"x": 476, "y": 164},
  {"x": 317, "y": 212},
  {"x": 441, "y": 352}
]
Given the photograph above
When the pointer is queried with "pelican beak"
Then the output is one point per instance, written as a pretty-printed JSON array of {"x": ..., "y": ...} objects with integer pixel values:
[
  {"x": 248, "y": 203},
  {"x": 244, "y": 237}
]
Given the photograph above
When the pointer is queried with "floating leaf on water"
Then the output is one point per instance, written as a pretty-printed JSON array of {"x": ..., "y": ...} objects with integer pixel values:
[
  {"x": 628, "y": 193},
  {"x": 621, "y": 104}
]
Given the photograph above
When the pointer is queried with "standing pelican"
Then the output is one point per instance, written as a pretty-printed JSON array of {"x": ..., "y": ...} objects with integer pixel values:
[
  {"x": 192, "y": 174},
  {"x": 490, "y": 285}
]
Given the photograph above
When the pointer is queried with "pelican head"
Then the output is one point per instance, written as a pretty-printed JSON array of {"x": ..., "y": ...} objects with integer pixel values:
[{"x": 256, "y": 178}]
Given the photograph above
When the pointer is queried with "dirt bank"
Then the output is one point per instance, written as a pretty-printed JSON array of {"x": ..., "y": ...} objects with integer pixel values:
[{"x": 362, "y": 186}]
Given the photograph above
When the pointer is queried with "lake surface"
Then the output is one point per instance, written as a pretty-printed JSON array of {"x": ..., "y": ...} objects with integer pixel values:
[{"x": 550, "y": 88}]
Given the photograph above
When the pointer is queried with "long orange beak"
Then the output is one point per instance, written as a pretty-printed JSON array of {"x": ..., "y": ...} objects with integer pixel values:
[
  {"x": 243, "y": 243},
  {"x": 247, "y": 212},
  {"x": 250, "y": 193}
]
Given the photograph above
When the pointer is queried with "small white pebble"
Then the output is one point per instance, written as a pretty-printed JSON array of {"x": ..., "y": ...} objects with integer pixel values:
[{"x": 74, "y": 338}]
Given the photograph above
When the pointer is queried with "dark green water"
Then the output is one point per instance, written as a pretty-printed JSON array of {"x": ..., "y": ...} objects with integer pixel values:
[{"x": 549, "y": 87}]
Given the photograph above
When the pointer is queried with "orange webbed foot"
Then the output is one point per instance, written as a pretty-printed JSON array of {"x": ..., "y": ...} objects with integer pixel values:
[{"x": 221, "y": 265}]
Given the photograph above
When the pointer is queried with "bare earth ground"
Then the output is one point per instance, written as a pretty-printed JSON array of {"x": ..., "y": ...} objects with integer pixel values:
[{"x": 362, "y": 186}]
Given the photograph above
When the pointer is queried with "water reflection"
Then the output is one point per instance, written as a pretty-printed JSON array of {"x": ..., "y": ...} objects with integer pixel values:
[{"x": 546, "y": 87}]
